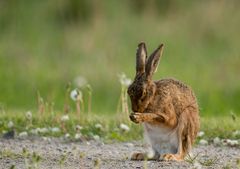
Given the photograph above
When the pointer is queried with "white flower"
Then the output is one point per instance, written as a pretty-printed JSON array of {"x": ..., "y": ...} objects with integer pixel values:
[
  {"x": 200, "y": 133},
  {"x": 124, "y": 80},
  {"x": 96, "y": 137},
  {"x": 77, "y": 136},
  {"x": 64, "y": 118},
  {"x": 28, "y": 115},
  {"x": 46, "y": 139},
  {"x": 42, "y": 130},
  {"x": 124, "y": 127},
  {"x": 55, "y": 130},
  {"x": 76, "y": 95},
  {"x": 236, "y": 133},
  {"x": 80, "y": 81},
  {"x": 98, "y": 126},
  {"x": 10, "y": 124},
  {"x": 78, "y": 127},
  {"x": 203, "y": 142},
  {"x": 216, "y": 141},
  {"x": 230, "y": 142},
  {"x": 23, "y": 134},
  {"x": 34, "y": 131},
  {"x": 233, "y": 143},
  {"x": 67, "y": 135}
]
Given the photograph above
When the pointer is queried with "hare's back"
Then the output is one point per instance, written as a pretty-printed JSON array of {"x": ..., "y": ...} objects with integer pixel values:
[{"x": 176, "y": 91}]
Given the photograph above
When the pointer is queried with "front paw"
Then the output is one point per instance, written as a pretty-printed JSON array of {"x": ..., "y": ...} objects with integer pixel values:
[{"x": 136, "y": 117}]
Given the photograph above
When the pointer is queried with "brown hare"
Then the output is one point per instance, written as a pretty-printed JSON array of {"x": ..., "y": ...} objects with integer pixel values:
[{"x": 167, "y": 109}]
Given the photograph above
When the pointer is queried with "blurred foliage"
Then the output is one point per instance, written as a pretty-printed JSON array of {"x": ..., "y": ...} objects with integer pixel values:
[{"x": 46, "y": 44}]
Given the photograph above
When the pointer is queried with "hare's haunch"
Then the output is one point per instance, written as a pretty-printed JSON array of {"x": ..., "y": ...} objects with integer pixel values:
[{"x": 167, "y": 109}]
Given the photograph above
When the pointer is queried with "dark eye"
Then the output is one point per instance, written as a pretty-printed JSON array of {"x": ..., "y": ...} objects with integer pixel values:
[{"x": 130, "y": 91}]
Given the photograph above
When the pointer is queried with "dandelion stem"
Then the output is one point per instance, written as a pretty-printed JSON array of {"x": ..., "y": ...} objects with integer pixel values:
[
  {"x": 89, "y": 102},
  {"x": 78, "y": 108}
]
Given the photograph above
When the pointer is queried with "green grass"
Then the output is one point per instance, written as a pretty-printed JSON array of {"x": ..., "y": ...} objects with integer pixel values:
[
  {"x": 46, "y": 44},
  {"x": 222, "y": 127}
]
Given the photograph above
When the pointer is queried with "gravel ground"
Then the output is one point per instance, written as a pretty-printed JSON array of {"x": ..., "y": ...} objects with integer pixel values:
[{"x": 95, "y": 154}]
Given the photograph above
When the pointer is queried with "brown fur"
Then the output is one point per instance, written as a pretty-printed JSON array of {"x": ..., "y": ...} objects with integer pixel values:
[{"x": 166, "y": 103}]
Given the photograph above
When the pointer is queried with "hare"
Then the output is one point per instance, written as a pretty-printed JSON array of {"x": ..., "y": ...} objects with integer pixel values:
[{"x": 167, "y": 109}]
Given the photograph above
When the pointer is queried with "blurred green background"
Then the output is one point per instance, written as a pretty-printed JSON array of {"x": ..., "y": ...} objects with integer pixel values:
[{"x": 46, "y": 44}]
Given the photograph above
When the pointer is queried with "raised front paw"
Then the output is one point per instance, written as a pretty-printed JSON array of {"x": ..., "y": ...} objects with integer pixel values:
[{"x": 136, "y": 117}]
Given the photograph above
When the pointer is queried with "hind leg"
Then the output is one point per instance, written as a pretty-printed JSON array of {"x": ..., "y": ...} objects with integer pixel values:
[
  {"x": 187, "y": 129},
  {"x": 179, "y": 156}
]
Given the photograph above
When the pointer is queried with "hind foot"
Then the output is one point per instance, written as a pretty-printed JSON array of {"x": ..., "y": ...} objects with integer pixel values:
[
  {"x": 170, "y": 157},
  {"x": 138, "y": 156}
]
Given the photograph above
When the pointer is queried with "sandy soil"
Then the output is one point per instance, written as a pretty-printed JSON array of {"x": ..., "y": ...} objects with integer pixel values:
[{"x": 98, "y": 155}]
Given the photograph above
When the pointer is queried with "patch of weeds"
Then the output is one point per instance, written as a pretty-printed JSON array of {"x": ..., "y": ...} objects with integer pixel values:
[
  {"x": 195, "y": 161},
  {"x": 190, "y": 159},
  {"x": 62, "y": 160},
  {"x": 208, "y": 162},
  {"x": 82, "y": 155},
  {"x": 238, "y": 162},
  {"x": 227, "y": 166},
  {"x": 35, "y": 159},
  {"x": 96, "y": 163},
  {"x": 6, "y": 153},
  {"x": 13, "y": 166}
]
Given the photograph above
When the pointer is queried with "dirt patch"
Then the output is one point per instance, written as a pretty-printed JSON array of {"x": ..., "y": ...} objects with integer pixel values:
[{"x": 59, "y": 153}]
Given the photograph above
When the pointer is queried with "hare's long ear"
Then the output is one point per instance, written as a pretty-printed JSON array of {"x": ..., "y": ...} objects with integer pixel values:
[
  {"x": 153, "y": 61},
  {"x": 141, "y": 57}
]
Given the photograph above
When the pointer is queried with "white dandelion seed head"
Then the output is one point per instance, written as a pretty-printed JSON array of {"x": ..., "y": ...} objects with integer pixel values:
[
  {"x": 42, "y": 130},
  {"x": 34, "y": 131},
  {"x": 23, "y": 134},
  {"x": 46, "y": 139},
  {"x": 96, "y": 137},
  {"x": 236, "y": 133},
  {"x": 77, "y": 136},
  {"x": 98, "y": 126},
  {"x": 200, "y": 133},
  {"x": 67, "y": 135},
  {"x": 64, "y": 118},
  {"x": 124, "y": 127},
  {"x": 124, "y": 80},
  {"x": 216, "y": 141},
  {"x": 10, "y": 124},
  {"x": 80, "y": 81},
  {"x": 230, "y": 142},
  {"x": 55, "y": 130},
  {"x": 28, "y": 115},
  {"x": 203, "y": 142},
  {"x": 78, "y": 127},
  {"x": 76, "y": 95}
]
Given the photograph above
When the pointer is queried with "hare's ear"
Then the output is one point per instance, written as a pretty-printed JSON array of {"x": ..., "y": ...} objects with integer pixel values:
[
  {"x": 153, "y": 61},
  {"x": 141, "y": 57}
]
